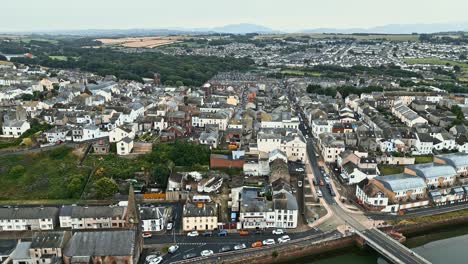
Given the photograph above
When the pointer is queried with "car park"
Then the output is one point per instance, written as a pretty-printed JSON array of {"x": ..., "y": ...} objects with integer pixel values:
[
  {"x": 240, "y": 246},
  {"x": 284, "y": 239},
  {"x": 277, "y": 232},
  {"x": 269, "y": 241},
  {"x": 193, "y": 234},
  {"x": 146, "y": 235},
  {"x": 189, "y": 256},
  {"x": 206, "y": 253},
  {"x": 172, "y": 249},
  {"x": 257, "y": 244},
  {"x": 225, "y": 249}
]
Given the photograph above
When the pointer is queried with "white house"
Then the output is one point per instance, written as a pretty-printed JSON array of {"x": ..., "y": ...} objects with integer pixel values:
[
  {"x": 14, "y": 128},
  {"x": 153, "y": 219},
  {"x": 120, "y": 133},
  {"x": 28, "y": 218},
  {"x": 125, "y": 146},
  {"x": 320, "y": 127}
]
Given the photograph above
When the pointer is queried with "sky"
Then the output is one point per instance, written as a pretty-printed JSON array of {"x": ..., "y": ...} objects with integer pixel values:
[{"x": 290, "y": 15}]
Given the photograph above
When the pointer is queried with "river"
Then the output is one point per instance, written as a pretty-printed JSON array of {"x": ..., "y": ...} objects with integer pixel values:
[{"x": 445, "y": 246}]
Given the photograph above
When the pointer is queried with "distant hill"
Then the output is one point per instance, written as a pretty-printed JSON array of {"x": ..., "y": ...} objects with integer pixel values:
[
  {"x": 243, "y": 28},
  {"x": 397, "y": 29}
]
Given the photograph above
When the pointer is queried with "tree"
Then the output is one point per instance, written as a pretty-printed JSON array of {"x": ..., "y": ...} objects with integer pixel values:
[
  {"x": 16, "y": 171},
  {"x": 74, "y": 186},
  {"x": 105, "y": 187},
  {"x": 456, "y": 68},
  {"x": 462, "y": 57}
]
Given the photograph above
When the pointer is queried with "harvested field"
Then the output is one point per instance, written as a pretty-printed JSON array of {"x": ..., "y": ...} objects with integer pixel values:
[{"x": 143, "y": 42}]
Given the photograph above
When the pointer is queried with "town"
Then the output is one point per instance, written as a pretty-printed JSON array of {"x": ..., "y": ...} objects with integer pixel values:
[{"x": 313, "y": 141}]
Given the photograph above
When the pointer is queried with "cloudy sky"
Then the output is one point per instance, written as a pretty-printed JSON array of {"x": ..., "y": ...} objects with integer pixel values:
[{"x": 32, "y": 15}]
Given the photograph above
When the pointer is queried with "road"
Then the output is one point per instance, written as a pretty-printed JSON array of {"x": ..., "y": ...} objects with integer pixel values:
[{"x": 215, "y": 243}]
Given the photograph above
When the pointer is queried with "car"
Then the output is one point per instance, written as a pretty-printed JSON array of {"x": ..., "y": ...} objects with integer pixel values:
[
  {"x": 156, "y": 260},
  {"x": 269, "y": 241},
  {"x": 277, "y": 232},
  {"x": 293, "y": 190},
  {"x": 299, "y": 184},
  {"x": 244, "y": 233},
  {"x": 300, "y": 169},
  {"x": 319, "y": 193},
  {"x": 284, "y": 239},
  {"x": 206, "y": 253},
  {"x": 257, "y": 244},
  {"x": 327, "y": 179},
  {"x": 150, "y": 258},
  {"x": 146, "y": 235},
  {"x": 332, "y": 193},
  {"x": 208, "y": 234},
  {"x": 172, "y": 249},
  {"x": 321, "y": 183},
  {"x": 169, "y": 226},
  {"x": 225, "y": 249},
  {"x": 189, "y": 256},
  {"x": 258, "y": 232},
  {"x": 240, "y": 246},
  {"x": 317, "y": 155},
  {"x": 222, "y": 233},
  {"x": 193, "y": 234}
]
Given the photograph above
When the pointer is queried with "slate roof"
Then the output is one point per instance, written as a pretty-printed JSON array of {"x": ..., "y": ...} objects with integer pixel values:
[
  {"x": 48, "y": 240},
  {"x": 401, "y": 182},
  {"x": 431, "y": 170},
  {"x": 458, "y": 160},
  {"x": 102, "y": 243},
  {"x": 206, "y": 210},
  {"x": 28, "y": 213},
  {"x": 92, "y": 211}
]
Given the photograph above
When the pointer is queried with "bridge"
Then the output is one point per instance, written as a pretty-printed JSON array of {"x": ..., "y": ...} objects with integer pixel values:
[{"x": 391, "y": 249}]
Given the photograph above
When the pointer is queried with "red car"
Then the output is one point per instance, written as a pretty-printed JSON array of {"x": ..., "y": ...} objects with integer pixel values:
[{"x": 321, "y": 183}]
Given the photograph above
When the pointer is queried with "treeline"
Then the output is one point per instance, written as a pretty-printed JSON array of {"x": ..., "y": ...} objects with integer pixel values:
[
  {"x": 343, "y": 90},
  {"x": 174, "y": 70}
]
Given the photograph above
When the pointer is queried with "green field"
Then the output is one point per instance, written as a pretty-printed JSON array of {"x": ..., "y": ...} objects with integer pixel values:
[
  {"x": 51, "y": 174},
  {"x": 423, "y": 159},
  {"x": 436, "y": 62},
  {"x": 390, "y": 169}
]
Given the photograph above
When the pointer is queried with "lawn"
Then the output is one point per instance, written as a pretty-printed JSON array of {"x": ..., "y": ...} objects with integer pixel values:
[
  {"x": 423, "y": 159},
  {"x": 435, "y": 61},
  {"x": 390, "y": 169},
  {"x": 51, "y": 174}
]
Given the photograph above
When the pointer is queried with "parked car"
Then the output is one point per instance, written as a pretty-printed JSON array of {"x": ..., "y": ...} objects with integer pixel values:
[
  {"x": 321, "y": 183},
  {"x": 244, "y": 233},
  {"x": 240, "y": 246},
  {"x": 319, "y": 193},
  {"x": 150, "y": 258},
  {"x": 156, "y": 260},
  {"x": 208, "y": 234},
  {"x": 284, "y": 239},
  {"x": 146, "y": 235},
  {"x": 193, "y": 234},
  {"x": 299, "y": 184},
  {"x": 269, "y": 241},
  {"x": 225, "y": 249},
  {"x": 172, "y": 249},
  {"x": 169, "y": 226},
  {"x": 222, "y": 233},
  {"x": 257, "y": 244},
  {"x": 206, "y": 253},
  {"x": 300, "y": 169},
  {"x": 277, "y": 232},
  {"x": 332, "y": 193},
  {"x": 189, "y": 256}
]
